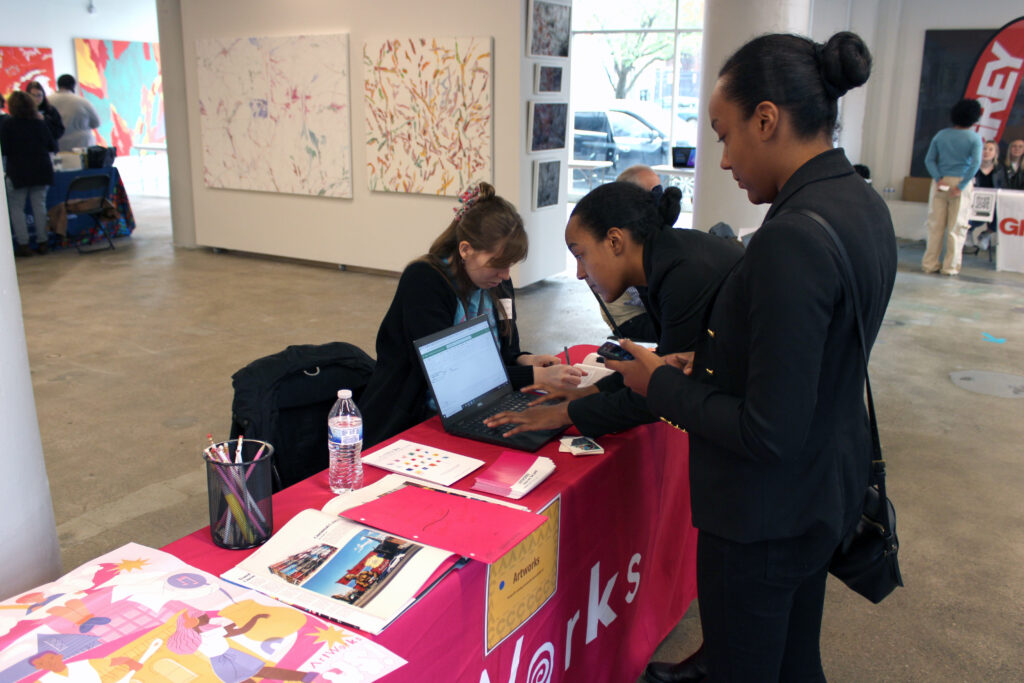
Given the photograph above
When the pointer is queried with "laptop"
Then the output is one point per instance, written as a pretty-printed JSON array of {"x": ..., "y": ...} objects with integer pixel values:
[
  {"x": 469, "y": 383},
  {"x": 684, "y": 157}
]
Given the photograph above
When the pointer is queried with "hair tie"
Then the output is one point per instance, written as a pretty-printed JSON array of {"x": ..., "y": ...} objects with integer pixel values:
[
  {"x": 467, "y": 199},
  {"x": 831, "y": 91}
]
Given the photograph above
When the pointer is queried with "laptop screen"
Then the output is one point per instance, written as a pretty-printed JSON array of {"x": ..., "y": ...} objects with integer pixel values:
[{"x": 462, "y": 364}]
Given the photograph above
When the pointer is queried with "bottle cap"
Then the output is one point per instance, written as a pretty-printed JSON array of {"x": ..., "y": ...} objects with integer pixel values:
[{"x": 344, "y": 393}]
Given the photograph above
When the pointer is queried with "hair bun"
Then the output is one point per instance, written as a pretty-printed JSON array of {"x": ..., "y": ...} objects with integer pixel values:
[
  {"x": 845, "y": 63},
  {"x": 669, "y": 205},
  {"x": 486, "y": 191}
]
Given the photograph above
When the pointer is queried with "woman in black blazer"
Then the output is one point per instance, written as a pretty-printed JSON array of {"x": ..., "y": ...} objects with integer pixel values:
[
  {"x": 26, "y": 144},
  {"x": 779, "y": 437}
]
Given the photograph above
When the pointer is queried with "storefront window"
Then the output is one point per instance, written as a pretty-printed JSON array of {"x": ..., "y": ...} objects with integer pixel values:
[{"x": 635, "y": 84}]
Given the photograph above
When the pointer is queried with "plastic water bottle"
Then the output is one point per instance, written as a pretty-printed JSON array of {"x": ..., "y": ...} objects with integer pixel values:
[{"x": 345, "y": 441}]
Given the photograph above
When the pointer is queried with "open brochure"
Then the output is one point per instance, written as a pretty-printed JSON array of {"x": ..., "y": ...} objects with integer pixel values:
[{"x": 345, "y": 571}]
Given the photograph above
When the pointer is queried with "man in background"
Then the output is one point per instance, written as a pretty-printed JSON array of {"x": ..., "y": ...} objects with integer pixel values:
[{"x": 79, "y": 117}]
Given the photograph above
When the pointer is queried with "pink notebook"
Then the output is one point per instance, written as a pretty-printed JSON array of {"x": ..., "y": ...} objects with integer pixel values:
[
  {"x": 514, "y": 474},
  {"x": 472, "y": 528}
]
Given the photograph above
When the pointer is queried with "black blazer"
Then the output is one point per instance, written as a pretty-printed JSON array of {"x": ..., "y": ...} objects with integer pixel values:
[
  {"x": 27, "y": 144},
  {"x": 779, "y": 438},
  {"x": 684, "y": 269},
  {"x": 425, "y": 302}
]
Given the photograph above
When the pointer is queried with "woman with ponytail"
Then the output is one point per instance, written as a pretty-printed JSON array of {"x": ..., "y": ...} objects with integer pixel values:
[
  {"x": 780, "y": 444},
  {"x": 621, "y": 237},
  {"x": 464, "y": 274}
]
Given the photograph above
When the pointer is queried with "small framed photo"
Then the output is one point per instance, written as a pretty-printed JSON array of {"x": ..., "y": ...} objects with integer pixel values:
[
  {"x": 547, "y": 126},
  {"x": 547, "y": 183},
  {"x": 548, "y": 29},
  {"x": 548, "y": 80}
]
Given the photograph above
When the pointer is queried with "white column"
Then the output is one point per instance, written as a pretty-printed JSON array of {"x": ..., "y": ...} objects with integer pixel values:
[
  {"x": 28, "y": 534},
  {"x": 728, "y": 24},
  {"x": 179, "y": 156}
]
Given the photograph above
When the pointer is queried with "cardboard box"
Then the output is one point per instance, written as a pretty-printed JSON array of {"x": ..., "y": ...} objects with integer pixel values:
[{"x": 916, "y": 189}]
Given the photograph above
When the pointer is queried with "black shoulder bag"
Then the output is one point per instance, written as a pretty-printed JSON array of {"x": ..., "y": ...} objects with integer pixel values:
[{"x": 866, "y": 560}]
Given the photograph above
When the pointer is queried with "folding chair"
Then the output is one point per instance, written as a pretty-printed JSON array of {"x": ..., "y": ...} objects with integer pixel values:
[{"x": 85, "y": 198}]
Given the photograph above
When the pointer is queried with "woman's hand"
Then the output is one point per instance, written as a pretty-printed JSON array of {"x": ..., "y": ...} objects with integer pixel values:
[
  {"x": 532, "y": 419},
  {"x": 637, "y": 373},
  {"x": 538, "y": 360},
  {"x": 558, "y": 376},
  {"x": 554, "y": 393}
]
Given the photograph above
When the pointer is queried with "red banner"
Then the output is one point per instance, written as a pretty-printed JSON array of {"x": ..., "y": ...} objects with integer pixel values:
[{"x": 996, "y": 78}]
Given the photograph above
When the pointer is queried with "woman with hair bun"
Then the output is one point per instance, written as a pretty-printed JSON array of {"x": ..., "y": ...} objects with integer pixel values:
[
  {"x": 621, "y": 236},
  {"x": 464, "y": 274},
  {"x": 780, "y": 445}
]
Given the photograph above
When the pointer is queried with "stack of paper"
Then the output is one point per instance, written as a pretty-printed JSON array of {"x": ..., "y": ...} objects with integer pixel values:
[{"x": 514, "y": 474}]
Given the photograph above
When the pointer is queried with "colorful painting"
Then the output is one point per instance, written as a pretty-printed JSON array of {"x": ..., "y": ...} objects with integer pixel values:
[
  {"x": 547, "y": 80},
  {"x": 546, "y": 180},
  {"x": 549, "y": 29},
  {"x": 141, "y": 614},
  {"x": 122, "y": 81},
  {"x": 19, "y": 65},
  {"x": 275, "y": 115},
  {"x": 428, "y": 114},
  {"x": 547, "y": 125}
]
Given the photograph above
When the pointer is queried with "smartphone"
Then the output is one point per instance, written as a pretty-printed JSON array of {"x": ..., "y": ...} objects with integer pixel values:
[{"x": 613, "y": 351}]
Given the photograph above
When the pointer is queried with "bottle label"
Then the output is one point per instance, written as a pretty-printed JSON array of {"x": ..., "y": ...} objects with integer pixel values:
[{"x": 347, "y": 436}]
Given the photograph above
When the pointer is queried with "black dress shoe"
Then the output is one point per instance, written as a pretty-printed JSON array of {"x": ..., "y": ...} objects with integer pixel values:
[{"x": 690, "y": 670}]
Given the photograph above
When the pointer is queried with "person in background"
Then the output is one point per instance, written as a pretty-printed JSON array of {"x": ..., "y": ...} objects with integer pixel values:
[
  {"x": 78, "y": 115},
  {"x": 464, "y": 274},
  {"x": 991, "y": 174},
  {"x": 3, "y": 114},
  {"x": 46, "y": 111},
  {"x": 953, "y": 158},
  {"x": 26, "y": 143},
  {"x": 1015, "y": 165},
  {"x": 780, "y": 445}
]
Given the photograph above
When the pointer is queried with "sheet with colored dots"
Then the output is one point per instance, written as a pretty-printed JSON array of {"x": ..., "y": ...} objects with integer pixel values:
[{"x": 423, "y": 462}]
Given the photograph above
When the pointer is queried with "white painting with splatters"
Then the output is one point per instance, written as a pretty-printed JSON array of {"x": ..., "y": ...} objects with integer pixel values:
[{"x": 275, "y": 114}]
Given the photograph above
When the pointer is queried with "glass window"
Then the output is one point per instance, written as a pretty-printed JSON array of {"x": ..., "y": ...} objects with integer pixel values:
[{"x": 635, "y": 66}]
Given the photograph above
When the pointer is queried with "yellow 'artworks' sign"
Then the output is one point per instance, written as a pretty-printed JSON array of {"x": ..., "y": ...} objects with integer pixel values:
[{"x": 523, "y": 579}]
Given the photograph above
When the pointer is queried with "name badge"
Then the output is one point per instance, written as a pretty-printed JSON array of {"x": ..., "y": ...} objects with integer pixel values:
[{"x": 506, "y": 306}]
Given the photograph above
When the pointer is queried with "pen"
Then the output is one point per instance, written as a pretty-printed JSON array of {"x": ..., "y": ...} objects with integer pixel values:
[{"x": 567, "y": 362}]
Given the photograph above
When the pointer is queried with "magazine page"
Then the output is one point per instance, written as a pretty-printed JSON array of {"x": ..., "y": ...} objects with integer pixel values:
[
  {"x": 139, "y": 614},
  {"x": 336, "y": 568}
]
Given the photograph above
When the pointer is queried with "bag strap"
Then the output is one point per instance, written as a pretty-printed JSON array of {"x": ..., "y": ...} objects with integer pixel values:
[{"x": 877, "y": 477}]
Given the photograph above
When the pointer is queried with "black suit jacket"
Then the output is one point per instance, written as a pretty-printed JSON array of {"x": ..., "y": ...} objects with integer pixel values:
[
  {"x": 684, "y": 269},
  {"x": 779, "y": 439},
  {"x": 425, "y": 302}
]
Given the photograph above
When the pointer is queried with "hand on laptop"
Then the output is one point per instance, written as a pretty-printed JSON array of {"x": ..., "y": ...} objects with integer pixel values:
[{"x": 532, "y": 419}]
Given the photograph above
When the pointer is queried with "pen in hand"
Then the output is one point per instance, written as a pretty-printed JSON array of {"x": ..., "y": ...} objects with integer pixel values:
[{"x": 567, "y": 361}]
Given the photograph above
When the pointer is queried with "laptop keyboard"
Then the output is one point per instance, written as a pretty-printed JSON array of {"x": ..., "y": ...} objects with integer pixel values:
[{"x": 516, "y": 402}]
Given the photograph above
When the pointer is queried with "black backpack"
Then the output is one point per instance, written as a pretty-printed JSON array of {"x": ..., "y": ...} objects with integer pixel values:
[{"x": 284, "y": 399}]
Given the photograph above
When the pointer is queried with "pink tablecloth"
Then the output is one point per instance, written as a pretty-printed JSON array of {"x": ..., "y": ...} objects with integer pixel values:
[{"x": 626, "y": 570}]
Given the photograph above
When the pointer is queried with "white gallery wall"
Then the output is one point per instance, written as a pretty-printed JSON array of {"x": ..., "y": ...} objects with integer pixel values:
[{"x": 377, "y": 230}]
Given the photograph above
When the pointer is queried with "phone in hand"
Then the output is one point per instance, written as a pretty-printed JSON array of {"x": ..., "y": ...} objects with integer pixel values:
[{"x": 613, "y": 351}]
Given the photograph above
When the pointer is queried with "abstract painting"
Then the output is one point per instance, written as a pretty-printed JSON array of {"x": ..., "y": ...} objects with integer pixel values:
[
  {"x": 546, "y": 180},
  {"x": 275, "y": 115},
  {"x": 547, "y": 125},
  {"x": 547, "y": 80},
  {"x": 428, "y": 114},
  {"x": 122, "y": 81},
  {"x": 18, "y": 65},
  {"x": 549, "y": 26}
]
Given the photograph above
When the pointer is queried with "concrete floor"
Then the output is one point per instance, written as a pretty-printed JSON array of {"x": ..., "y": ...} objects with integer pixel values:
[{"x": 132, "y": 353}]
